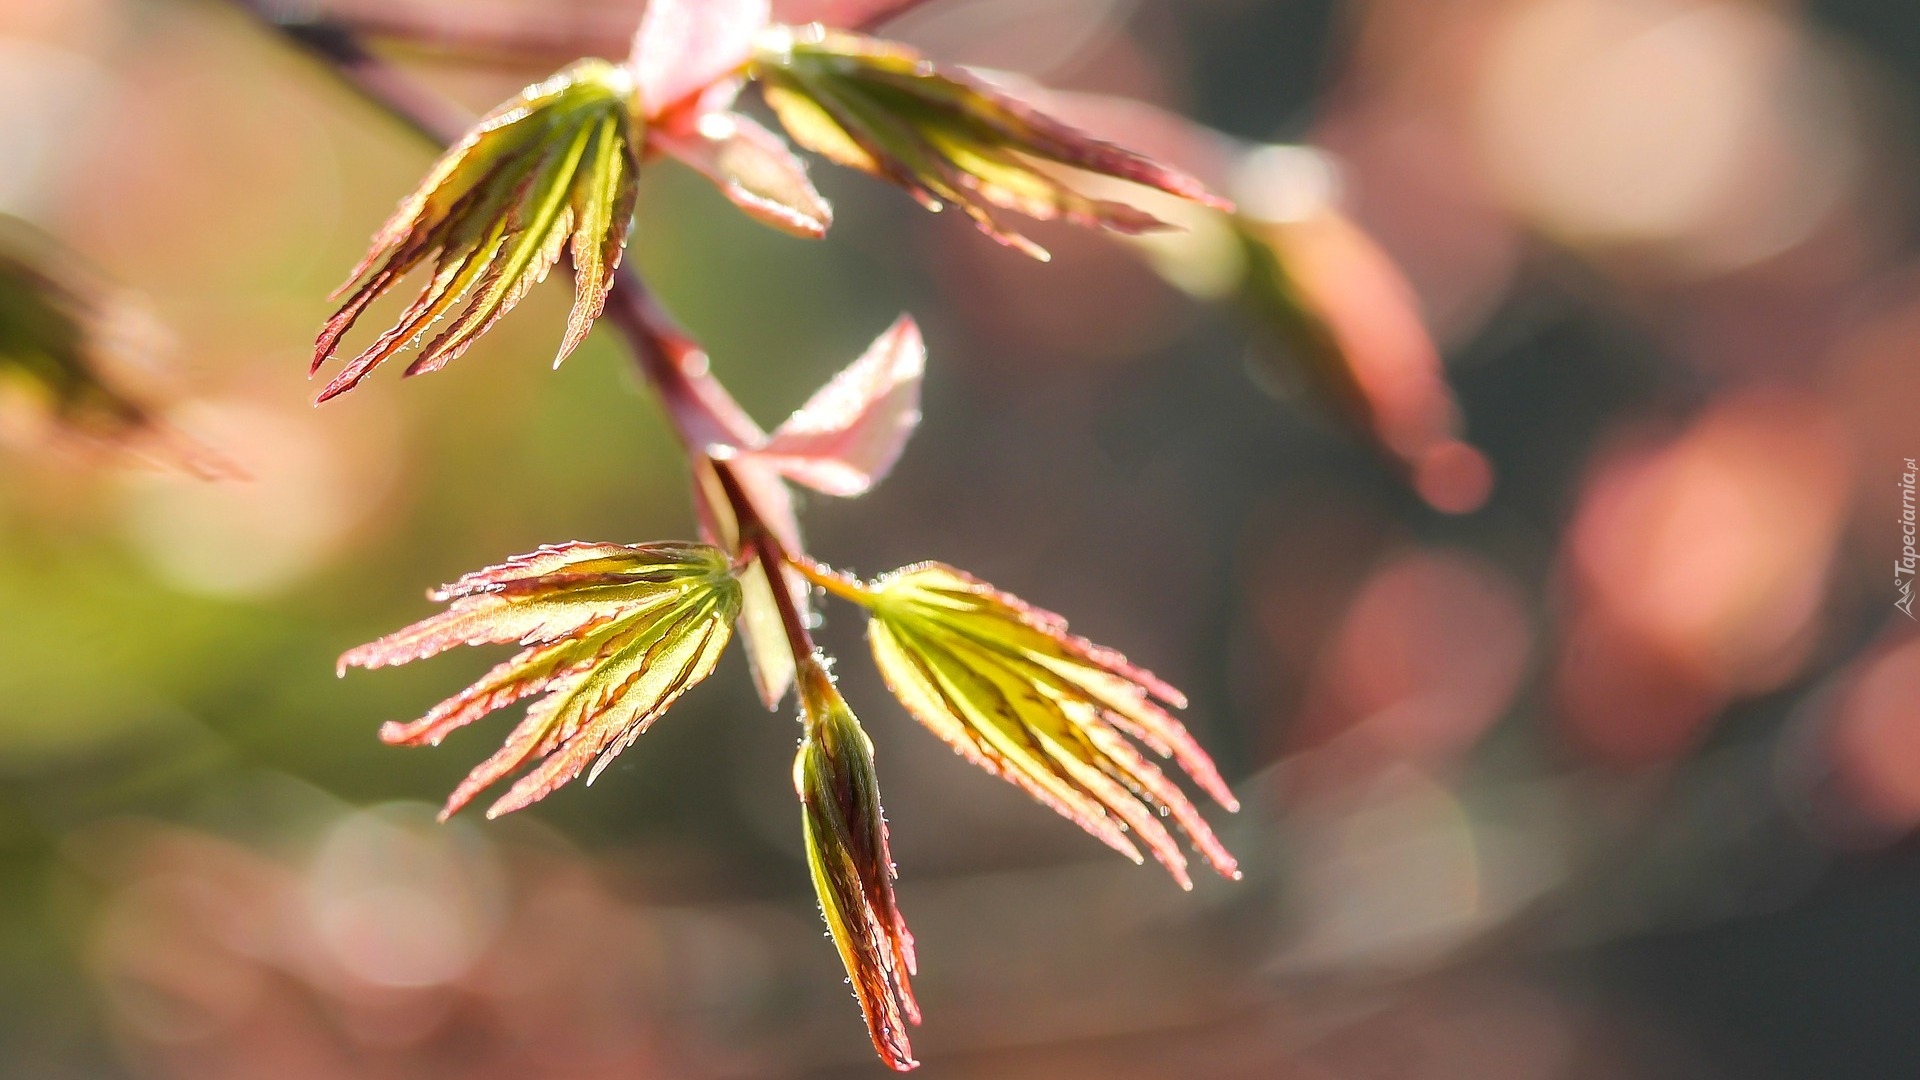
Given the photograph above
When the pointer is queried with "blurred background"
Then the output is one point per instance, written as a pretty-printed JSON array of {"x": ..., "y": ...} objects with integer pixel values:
[{"x": 1613, "y": 777}]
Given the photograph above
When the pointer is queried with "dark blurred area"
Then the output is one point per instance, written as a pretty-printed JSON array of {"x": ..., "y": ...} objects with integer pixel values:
[{"x": 1615, "y": 777}]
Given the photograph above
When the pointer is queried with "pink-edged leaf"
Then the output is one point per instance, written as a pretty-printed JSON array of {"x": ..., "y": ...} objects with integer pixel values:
[
  {"x": 848, "y": 14},
  {"x": 950, "y": 138},
  {"x": 1156, "y": 133},
  {"x": 685, "y": 46},
  {"x": 543, "y": 564},
  {"x": 616, "y": 633},
  {"x": 852, "y": 867},
  {"x": 754, "y": 169},
  {"x": 1008, "y": 686},
  {"x": 532, "y": 671},
  {"x": 846, "y": 438},
  {"x": 553, "y": 166}
]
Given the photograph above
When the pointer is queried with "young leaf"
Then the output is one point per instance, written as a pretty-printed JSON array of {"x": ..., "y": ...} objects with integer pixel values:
[
  {"x": 612, "y": 636},
  {"x": 689, "y": 59},
  {"x": 558, "y": 163},
  {"x": 850, "y": 14},
  {"x": 753, "y": 168},
  {"x": 848, "y": 435},
  {"x": 846, "y": 838},
  {"x": 1011, "y": 690},
  {"x": 947, "y": 138},
  {"x": 685, "y": 46}
]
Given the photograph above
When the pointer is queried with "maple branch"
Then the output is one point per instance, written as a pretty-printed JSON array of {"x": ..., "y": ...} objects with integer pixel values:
[{"x": 773, "y": 556}]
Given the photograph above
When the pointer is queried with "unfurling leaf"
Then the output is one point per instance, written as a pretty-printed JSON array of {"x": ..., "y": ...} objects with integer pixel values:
[
  {"x": 613, "y": 635},
  {"x": 685, "y": 46},
  {"x": 753, "y": 168},
  {"x": 948, "y": 138},
  {"x": 1008, "y": 687},
  {"x": 557, "y": 164},
  {"x": 851, "y": 14},
  {"x": 848, "y": 435},
  {"x": 689, "y": 60},
  {"x": 846, "y": 836}
]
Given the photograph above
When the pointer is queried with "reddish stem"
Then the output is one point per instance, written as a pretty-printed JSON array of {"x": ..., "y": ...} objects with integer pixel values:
[{"x": 773, "y": 555}]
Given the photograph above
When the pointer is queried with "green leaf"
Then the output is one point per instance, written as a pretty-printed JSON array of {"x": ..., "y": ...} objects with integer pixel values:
[
  {"x": 557, "y": 164},
  {"x": 754, "y": 169},
  {"x": 613, "y": 636},
  {"x": 947, "y": 138},
  {"x": 1011, "y": 690},
  {"x": 852, "y": 868}
]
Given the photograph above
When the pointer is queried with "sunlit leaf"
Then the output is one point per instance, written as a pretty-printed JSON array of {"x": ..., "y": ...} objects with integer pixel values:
[
  {"x": 1008, "y": 687},
  {"x": 612, "y": 636},
  {"x": 848, "y": 435},
  {"x": 557, "y": 164},
  {"x": 753, "y": 168},
  {"x": 846, "y": 838},
  {"x": 946, "y": 137},
  {"x": 684, "y": 46}
]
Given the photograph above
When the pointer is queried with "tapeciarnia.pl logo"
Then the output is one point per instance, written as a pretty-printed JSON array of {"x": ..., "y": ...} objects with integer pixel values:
[{"x": 1903, "y": 567}]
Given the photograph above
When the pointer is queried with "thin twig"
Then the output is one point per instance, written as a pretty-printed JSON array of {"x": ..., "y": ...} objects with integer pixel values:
[{"x": 755, "y": 534}]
